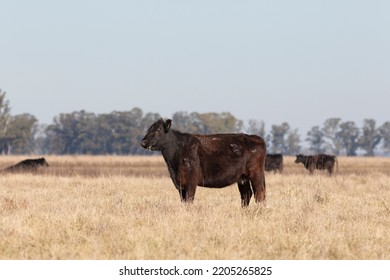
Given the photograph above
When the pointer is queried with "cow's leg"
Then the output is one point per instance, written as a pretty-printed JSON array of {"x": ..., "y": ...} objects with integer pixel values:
[
  {"x": 187, "y": 193},
  {"x": 330, "y": 170},
  {"x": 258, "y": 185},
  {"x": 244, "y": 186},
  {"x": 186, "y": 187},
  {"x": 181, "y": 189},
  {"x": 311, "y": 168},
  {"x": 183, "y": 194}
]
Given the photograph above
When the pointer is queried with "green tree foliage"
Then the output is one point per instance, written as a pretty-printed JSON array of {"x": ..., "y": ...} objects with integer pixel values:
[
  {"x": 384, "y": 131},
  {"x": 5, "y": 117},
  {"x": 278, "y": 137},
  {"x": 220, "y": 123},
  {"x": 190, "y": 123},
  {"x": 370, "y": 137},
  {"x": 330, "y": 129},
  {"x": 20, "y": 134},
  {"x": 207, "y": 123},
  {"x": 256, "y": 127},
  {"x": 284, "y": 140},
  {"x": 292, "y": 146},
  {"x": 339, "y": 137},
  {"x": 335, "y": 137},
  {"x": 84, "y": 132},
  {"x": 16, "y": 132},
  {"x": 315, "y": 137},
  {"x": 349, "y": 136},
  {"x": 87, "y": 133},
  {"x": 66, "y": 133},
  {"x": 121, "y": 132}
]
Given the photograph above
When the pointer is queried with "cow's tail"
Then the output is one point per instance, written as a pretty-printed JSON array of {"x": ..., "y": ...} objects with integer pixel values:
[{"x": 337, "y": 164}]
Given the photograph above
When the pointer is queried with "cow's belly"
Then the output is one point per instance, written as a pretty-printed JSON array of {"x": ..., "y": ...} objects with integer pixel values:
[
  {"x": 220, "y": 176},
  {"x": 217, "y": 183}
]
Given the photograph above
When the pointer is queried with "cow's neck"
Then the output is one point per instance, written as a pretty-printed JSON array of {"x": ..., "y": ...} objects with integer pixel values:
[
  {"x": 170, "y": 151},
  {"x": 170, "y": 154}
]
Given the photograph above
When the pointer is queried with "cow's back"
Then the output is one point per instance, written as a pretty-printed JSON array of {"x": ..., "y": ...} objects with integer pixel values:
[{"x": 216, "y": 143}]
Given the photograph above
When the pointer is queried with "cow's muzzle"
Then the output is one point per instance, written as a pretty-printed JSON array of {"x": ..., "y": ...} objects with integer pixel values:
[{"x": 146, "y": 146}]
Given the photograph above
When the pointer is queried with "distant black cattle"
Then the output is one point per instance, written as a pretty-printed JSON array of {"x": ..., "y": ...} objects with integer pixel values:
[
  {"x": 213, "y": 161},
  {"x": 28, "y": 165},
  {"x": 274, "y": 162},
  {"x": 320, "y": 162}
]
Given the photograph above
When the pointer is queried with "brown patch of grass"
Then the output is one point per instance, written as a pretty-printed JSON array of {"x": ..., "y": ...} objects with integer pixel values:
[{"x": 127, "y": 208}]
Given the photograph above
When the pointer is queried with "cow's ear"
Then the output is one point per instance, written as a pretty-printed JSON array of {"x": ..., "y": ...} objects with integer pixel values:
[{"x": 167, "y": 125}]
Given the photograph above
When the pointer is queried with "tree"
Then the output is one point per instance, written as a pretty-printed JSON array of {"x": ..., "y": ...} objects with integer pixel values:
[
  {"x": 348, "y": 136},
  {"x": 278, "y": 137},
  {"x": 148, "y": 119},
  {"x": 20, "y": 134},
  {"x": 129, "y": 131},
  {"x": 190, "y": 123},
  {"x": 370, "y": 137},
  {"x": 62, "y": 133},
  {"x": 207, "y": 123},
  {"x": 384, "y": 131},
  {"x": 5, "y": 117},
  {"x": 73, "y": 133},
  {"x": 86, "y": 133},
  {"x": 330, "y": 129},
  {"x": 292, "y": 146},
  {"x": 220, "y": 123},
  {"x": 256, "y": 127},
  {"x": 316, "y": 139},
  {"x": 40, "y": 140},
  {"x": 16, "y": 132}
]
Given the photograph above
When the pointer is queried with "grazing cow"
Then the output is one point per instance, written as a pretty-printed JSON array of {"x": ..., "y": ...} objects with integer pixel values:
[
  {"x": 28, "y": 165},
  {"x": 320, "y": 162},
  {"x": 274, "y": 162},
  {"x": 213, "y": 161}
]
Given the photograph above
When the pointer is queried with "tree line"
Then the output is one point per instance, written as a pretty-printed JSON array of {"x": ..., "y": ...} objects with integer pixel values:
[{"x": 120, "y": 133}]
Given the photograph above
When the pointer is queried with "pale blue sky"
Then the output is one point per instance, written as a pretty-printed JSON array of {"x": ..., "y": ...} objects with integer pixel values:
[{"x": 295, "y": 61}]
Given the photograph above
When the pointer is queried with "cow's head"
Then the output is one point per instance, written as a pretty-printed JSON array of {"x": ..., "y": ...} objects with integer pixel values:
[
  {"x": 43, "y": 162},
  {"x": 156, "y": 137},
  {"x": 300, "y": 158}
]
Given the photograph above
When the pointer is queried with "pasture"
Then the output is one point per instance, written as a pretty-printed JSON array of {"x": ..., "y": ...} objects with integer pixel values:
[{"x": 112, "y": 207}]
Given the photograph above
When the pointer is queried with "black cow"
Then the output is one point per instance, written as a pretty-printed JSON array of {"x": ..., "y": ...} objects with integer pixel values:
[
  {"x": 213, "y": 161},
  {"x": 319, "y": 161},
  {"x": 274, "y": 162},
  {"x": 28, "y": 165}
]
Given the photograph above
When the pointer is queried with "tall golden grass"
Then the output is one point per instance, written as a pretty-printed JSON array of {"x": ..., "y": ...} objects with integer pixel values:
[{"x": 108, "y": 207}]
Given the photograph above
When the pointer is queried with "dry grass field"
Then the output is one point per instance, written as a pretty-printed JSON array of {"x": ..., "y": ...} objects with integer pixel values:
[{"x": 88, "y": 207}]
